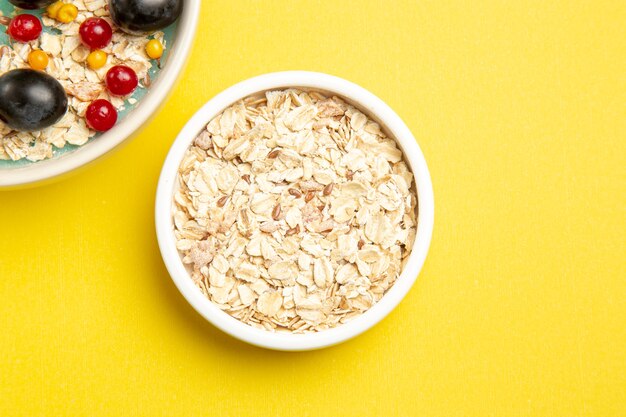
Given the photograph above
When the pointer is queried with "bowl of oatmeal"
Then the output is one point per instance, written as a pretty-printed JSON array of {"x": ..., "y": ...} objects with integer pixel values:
[
  {"x": 294, "y": 210},
  {"x": 32, "y": 157}
]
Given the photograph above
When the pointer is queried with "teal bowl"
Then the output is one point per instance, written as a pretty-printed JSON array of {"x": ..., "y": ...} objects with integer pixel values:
[{"x": 179, "y": 38}]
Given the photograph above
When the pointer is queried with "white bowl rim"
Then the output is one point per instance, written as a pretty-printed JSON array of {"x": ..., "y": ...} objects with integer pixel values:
[
  {"x": 374, "y": 107},
  {"x": 51, "y": 168}
]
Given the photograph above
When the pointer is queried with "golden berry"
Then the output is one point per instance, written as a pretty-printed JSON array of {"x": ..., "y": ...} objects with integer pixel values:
[
  {"x": 53, "y": 9},
  {"x": 38, "y": 59},
  {"x": 154, "y": 49},
  {"x": 67, "y": 13},
  {"x": 96, "y": 59}
]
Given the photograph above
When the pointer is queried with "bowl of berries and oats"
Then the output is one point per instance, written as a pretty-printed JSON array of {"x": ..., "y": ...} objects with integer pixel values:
[
  {"x": 79, "y": 77},
  {"x": 294, "y": 210}
]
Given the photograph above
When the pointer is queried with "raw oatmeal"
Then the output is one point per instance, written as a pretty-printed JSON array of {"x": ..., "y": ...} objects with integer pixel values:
[
  {"x": 294, "y": 212},
  {"x": 83, "y": 85}
]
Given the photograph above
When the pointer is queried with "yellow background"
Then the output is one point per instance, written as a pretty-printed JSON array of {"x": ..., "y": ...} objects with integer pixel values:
[{"x": 520, "y": 109}]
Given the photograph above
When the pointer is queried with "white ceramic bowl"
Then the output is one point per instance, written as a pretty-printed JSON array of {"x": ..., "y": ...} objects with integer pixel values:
[
  {"x": 392, "y": 125},
  {"x": 35, "y": 173}
]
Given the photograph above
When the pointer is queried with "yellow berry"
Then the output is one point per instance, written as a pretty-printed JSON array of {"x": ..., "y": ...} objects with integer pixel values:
[
  {"x": 67, "y": 13},
  {"x": 154, "y": 49},
  {"x": 38, "y": 59},
  {"x": 53, "y": 9},
  {"x": 96, "y": 59}
]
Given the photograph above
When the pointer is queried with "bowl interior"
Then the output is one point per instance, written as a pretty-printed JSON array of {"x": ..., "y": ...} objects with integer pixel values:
[{"x": 391, "y": 125}]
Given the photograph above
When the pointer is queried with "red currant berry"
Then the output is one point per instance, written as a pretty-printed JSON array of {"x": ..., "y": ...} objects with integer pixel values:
[
  {"x": 95, "y": 32},
  {"x": 121, "y": 80},
  {"x": 101, "y": 115},
  {"x": 24, "y": 28}
]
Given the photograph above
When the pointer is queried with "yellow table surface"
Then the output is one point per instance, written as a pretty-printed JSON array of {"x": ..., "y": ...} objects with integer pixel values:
[{"x": 520, "y": 310}]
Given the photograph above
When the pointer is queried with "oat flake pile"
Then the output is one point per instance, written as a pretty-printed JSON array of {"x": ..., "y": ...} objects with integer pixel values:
[{"x": 294, "y": 211}]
